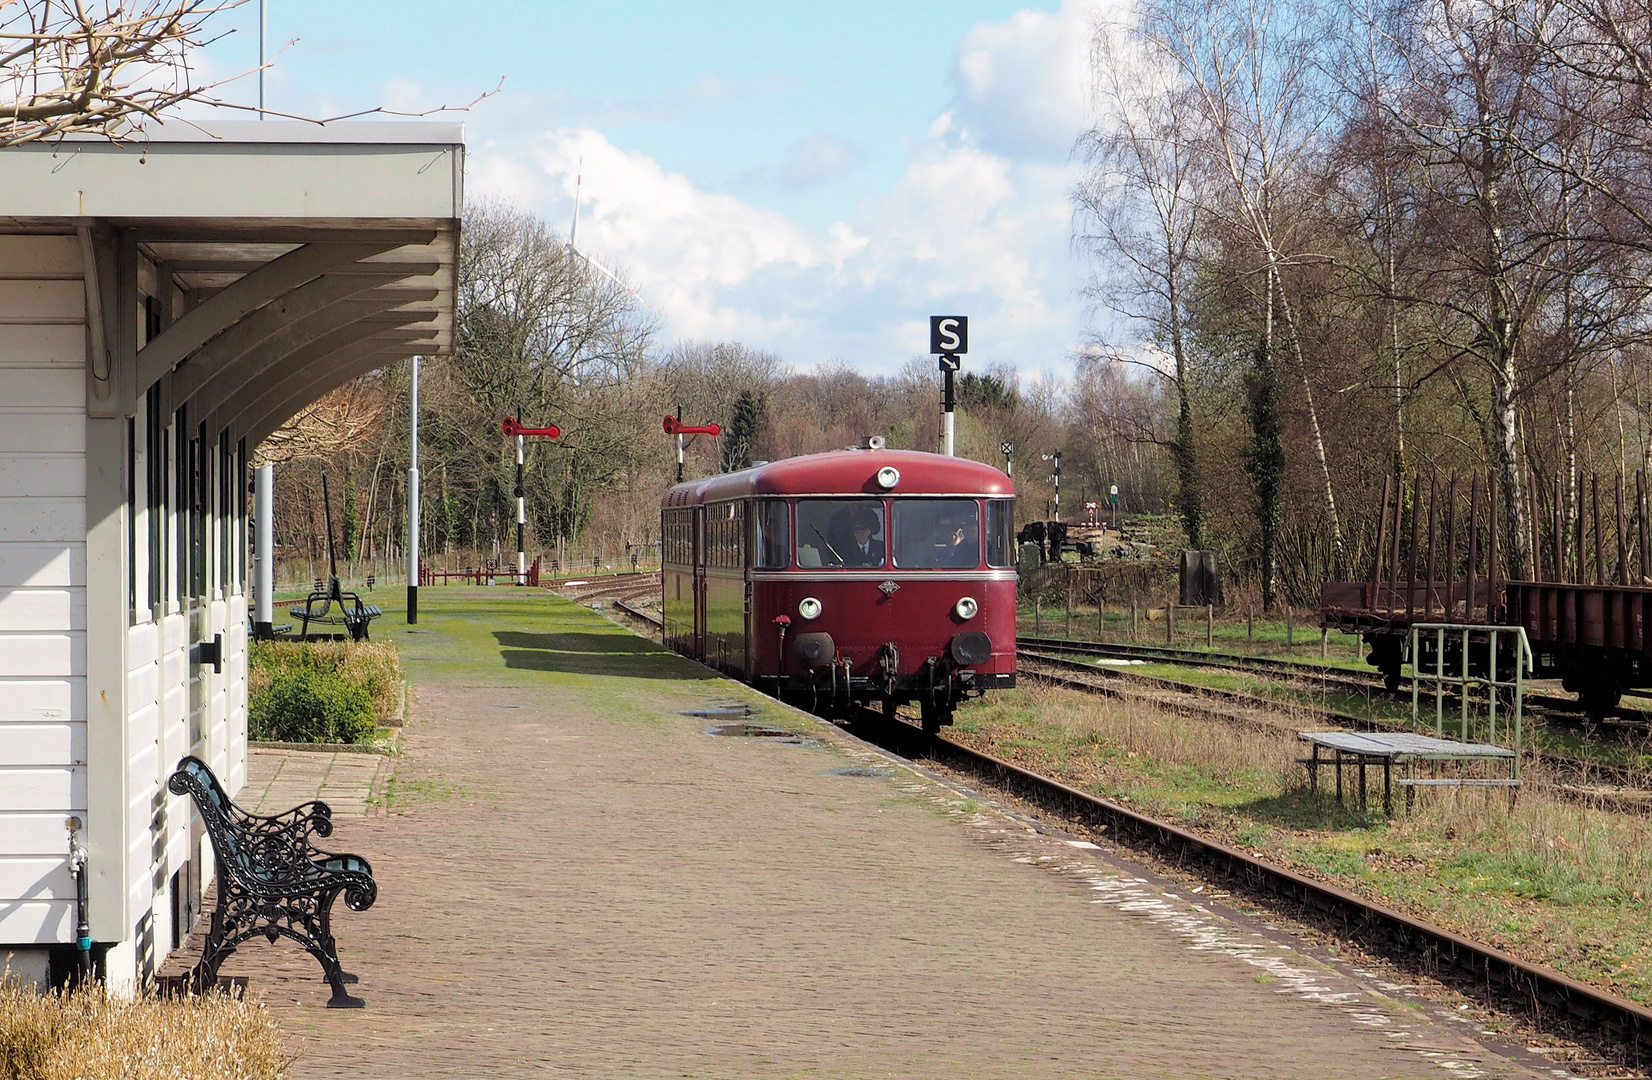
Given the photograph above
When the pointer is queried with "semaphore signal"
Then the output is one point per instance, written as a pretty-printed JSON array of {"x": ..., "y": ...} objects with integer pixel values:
[
  {"x": 674, "y": 425},
  {"x": 511, "y": 427}
]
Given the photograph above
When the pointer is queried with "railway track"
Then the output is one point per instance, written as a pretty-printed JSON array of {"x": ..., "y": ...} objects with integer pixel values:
[
  {"x": 1574, "y": 779},
  {"x": 652, "y": 618},
  {"x": 1353, "y": 678},
  {"x": 1517, "y": 986},
  {"x": 1569, "y": 711},
  {"x": 617, "y": 585}
]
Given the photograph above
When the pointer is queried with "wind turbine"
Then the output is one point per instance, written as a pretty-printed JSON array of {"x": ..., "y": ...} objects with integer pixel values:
[{"x": 573, "y": 244}]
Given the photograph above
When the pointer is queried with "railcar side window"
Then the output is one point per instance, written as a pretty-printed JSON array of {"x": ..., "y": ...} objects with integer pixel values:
[
  {"x": 832, "y": 532},
  {"x": 725, "y": 529},
  {"x": 774, "y": 535},
  {"x": 679, "y": 536},
  {"x": 937, "y": 534},
  {"x": 1000, "y": 532}
]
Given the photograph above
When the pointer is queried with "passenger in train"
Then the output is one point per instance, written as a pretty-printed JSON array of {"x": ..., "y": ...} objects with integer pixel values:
[{"x": 960, "y": 548}]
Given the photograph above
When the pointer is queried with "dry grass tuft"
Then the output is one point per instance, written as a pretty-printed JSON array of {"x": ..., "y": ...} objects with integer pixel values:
[{"x": 96, "y": 1036}]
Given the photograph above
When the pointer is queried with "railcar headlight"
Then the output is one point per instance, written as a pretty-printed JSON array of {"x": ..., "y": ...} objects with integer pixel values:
[
  {"x": 966, "y": 608},
  {"x": 888, "y": 477},
  {"x": 809, "y": 608}
]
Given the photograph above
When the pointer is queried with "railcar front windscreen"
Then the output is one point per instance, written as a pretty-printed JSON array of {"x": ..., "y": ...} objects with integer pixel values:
[
  {"x": 840, "y": 533},
  {"x": 937, "y": 534}
]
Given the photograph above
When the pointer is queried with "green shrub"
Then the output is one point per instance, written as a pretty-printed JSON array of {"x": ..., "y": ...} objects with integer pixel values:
[
  {"x": 306, "y": 705},
  {"x": 375, "y": 666}
]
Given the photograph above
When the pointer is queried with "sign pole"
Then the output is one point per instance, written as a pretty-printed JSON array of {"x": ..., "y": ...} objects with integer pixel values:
[
  {"x": 413, "y": 499},
  {"x": 679, "y": 444},
  {"x": 949, "y": 340},
  {"x": 947, "y": 403},
  {"x": 1009, "y": 463}
]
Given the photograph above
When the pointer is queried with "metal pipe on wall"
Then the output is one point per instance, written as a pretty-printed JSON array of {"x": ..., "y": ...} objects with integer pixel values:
[
  {"x": 413, "y": 498},
  {"x": 263, "y": 552}
]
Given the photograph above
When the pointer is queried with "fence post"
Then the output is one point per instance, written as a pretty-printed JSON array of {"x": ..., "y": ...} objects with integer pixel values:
[
  {"x": 1290, "y": 630},
  {"x": 1169, "y": 621},
  {"x": 1250, "y": 628},
  {"x": 1324, "y": 643},
  {"x": 1133, "y": 611},
  {"x": 1210, "y": 626},
  {"x": 1038, "y": 616},
  {"x": 1101, "y": 617},
  {"x": 1067, "y": 626}
]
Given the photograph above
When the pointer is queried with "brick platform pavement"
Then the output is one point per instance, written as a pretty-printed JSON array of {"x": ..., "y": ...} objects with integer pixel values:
[
  {"x": 575, "y": 879},
  {"x": 280, "y": 779}
]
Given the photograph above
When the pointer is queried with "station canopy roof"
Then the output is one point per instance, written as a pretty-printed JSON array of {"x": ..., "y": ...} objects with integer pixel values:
[{"x": 248, "y": 268}]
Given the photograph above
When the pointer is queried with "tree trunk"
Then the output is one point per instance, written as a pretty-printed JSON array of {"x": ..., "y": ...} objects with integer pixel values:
[{"x": 1313, "y": 424}]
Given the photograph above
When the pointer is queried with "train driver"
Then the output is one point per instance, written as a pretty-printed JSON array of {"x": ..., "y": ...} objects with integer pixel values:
[{"x": 864, "y": 547}]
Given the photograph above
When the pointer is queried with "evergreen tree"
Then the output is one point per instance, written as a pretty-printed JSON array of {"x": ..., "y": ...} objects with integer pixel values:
[
  {"x": 741, "y": 434},
  {"x": 1265, "y": 461}
]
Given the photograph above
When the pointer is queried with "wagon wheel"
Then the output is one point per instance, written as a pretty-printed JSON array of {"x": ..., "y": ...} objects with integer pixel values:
[
  {"x": 1600, "y": 697},
  {"x": 935, "y": 717}
]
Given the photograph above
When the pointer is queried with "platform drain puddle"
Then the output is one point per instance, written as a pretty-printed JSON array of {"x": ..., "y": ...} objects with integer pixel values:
[
  {"x": 719, "y": 712},
  {"x": 862, "y": 770},
  {"x": 754, "y": 731}
]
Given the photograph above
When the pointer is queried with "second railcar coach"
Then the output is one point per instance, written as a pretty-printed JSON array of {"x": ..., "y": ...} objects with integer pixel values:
[{"x": 853, "y": 577}]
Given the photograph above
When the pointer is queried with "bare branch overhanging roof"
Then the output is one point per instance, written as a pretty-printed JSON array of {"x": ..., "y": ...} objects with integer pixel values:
[{"x": 277, "y": 260}]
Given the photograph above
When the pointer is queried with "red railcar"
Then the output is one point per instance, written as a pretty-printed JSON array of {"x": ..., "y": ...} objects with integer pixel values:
[{"x": 850, "y": 577}]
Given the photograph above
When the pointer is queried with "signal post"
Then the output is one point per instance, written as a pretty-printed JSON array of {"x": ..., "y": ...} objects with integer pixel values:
[{"x": 511, "y": 427}]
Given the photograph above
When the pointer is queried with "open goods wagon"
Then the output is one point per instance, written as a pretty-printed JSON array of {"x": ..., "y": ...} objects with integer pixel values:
[
  {"x": 1584, "y": 603},
  {"x": 851, "y": 577}
]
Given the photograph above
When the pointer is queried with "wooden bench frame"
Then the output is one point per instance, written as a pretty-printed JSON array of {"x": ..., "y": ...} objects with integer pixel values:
[{"x": 272, "y": 880}]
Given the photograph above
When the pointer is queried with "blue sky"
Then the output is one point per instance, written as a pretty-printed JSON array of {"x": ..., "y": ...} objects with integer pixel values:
[{"x": 812, "y": 179}]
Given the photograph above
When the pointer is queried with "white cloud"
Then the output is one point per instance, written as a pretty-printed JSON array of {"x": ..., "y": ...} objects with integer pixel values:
[
  {"x": 687, "y": 250},
  {"x": 978, "y": 223},
  {"x": 1023, "y": 83},
  {"x": 810, "y": 161}
]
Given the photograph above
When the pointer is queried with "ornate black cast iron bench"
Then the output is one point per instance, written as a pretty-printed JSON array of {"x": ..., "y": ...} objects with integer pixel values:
[{"x": 272, "y": 880}]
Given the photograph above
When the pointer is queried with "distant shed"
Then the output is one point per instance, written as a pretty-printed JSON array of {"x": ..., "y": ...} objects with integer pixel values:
[{"x": 164, "y": 305}]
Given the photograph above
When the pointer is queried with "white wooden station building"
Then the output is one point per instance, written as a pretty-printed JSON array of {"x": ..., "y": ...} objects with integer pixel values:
[{"x": 164, "y": 305}]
